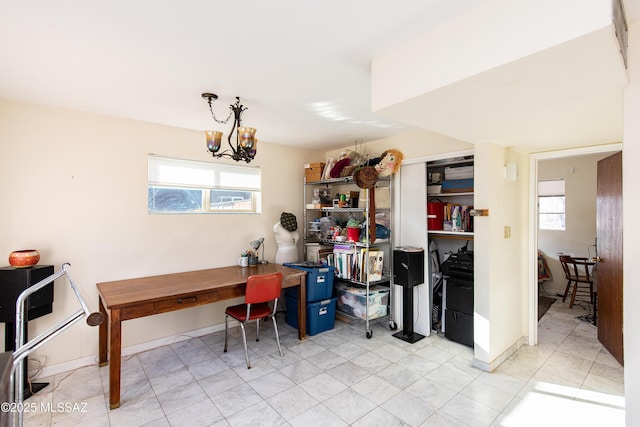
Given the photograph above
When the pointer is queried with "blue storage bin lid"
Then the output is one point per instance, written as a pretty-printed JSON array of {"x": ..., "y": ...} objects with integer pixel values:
[{"x": 310, "y": 266}]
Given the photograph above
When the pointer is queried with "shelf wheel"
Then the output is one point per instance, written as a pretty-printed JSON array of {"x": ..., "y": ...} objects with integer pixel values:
[
  {"x": 393, "y": 325},
  {"x": 369, "y": 334}
]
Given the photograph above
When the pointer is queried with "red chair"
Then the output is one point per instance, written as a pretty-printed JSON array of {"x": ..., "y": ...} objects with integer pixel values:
[{"x": 261, "y": 289}]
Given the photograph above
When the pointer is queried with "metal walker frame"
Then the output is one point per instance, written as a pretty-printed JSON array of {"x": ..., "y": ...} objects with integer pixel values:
[{"x": 22, "y": 349}]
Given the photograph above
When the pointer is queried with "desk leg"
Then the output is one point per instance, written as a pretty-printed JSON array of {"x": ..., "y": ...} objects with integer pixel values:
[
  {"x": 103, "y": 334},
  {"x": 115, "y": 357},
  {"x": 302, "y": 309}
]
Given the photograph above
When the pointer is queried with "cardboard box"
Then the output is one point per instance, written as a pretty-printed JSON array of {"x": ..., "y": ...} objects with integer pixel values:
[
  {"x": 317, "y": 252},
  {"x": 313, "y": 171},
  {"x": 382, "y": 198}
]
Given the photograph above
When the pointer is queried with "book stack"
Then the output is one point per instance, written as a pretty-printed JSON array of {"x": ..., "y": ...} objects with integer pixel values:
[{"x": 357, "y": 264}]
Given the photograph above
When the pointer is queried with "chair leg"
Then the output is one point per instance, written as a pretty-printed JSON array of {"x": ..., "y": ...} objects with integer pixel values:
[
  {"x": 226, "y": 331},
  {"x": 573, "y": 294},
  {"x": 275, "y": 328},
  {"x": 566, "y": 290},
  {"x": 244, "y": 342},
  {"x": 258, "y": 330}
]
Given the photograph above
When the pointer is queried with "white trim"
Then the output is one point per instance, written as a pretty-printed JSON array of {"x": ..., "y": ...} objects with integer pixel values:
[
  {"x": 432, "y": 157},
  {"x": 533, "y": 221},
  {"x": 490, "y": 367}
]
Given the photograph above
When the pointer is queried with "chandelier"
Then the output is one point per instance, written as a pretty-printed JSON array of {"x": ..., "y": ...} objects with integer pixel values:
[{"x": 245, "y": 141}]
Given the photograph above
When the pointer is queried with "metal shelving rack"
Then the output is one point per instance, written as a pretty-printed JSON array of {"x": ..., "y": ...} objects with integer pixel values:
[{"x": 346, "y": 183}]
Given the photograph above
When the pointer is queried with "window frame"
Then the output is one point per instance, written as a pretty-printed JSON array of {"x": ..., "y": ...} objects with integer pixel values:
[
  {"x": 552, "y": 188},
  {"x": 183, "y": 174}
]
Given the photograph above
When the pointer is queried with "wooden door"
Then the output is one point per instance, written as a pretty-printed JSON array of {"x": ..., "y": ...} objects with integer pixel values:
[{"x": 609, "y": 247}]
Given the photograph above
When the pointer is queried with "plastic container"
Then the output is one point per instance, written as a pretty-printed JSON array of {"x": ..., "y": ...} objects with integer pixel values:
[
  {"x": 319, "y": 282},
  {"x": 353, "y": 234},
  {"x": 321, "y": 315},
  {"x": 435, "y": 215},
  {"x": 352, "y": 300}
]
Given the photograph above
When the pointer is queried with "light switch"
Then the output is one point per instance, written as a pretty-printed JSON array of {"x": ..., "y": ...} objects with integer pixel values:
[{"x": 507, "y": 231}]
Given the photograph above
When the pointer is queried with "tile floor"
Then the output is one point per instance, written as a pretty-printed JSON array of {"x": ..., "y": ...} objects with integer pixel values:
[{"x": 340, "y": 378}]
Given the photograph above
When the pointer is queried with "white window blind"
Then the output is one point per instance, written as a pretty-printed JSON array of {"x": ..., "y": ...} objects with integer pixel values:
[
  {"x": 553, "y": 187},
  {"x": 165, "y": 171},
  {"x": 551, "y": 205}
]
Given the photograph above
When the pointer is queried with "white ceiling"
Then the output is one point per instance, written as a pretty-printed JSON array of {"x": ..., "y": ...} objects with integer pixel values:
[
  {"x": 568, "y": 96},
  {"x": 301, "y": 67}
]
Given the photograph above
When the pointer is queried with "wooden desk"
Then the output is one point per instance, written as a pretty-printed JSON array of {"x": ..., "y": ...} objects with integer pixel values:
[{"x": 130, "y": 299}]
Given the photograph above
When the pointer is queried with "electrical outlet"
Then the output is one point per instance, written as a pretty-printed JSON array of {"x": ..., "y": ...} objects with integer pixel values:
[{"x": 507, "y": 231}]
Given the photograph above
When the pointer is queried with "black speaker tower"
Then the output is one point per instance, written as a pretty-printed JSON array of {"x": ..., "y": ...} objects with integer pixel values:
[{"x": 408, "y": 271}]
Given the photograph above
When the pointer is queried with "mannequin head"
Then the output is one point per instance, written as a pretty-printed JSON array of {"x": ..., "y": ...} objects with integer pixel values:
[
  {"x": 390, "y": 162},
  {"x": 289, "y": 221}
]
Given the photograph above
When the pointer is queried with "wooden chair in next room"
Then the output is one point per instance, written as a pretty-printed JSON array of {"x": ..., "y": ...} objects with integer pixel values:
[
  {"x": 261, "y": 290},
  {"x": 579, "y": 279}
]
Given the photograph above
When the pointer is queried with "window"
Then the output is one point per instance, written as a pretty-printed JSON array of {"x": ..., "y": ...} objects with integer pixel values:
[
  {"x": 551, "y": 205},
  {"x": 189, "y": 186}
]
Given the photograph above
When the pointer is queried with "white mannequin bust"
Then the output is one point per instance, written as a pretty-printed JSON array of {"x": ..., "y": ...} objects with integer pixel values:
[{"x": 287, "y": 244}]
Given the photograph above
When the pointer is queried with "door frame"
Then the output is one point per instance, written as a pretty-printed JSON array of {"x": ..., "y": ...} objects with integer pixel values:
[{"x": 534, "y": 158}]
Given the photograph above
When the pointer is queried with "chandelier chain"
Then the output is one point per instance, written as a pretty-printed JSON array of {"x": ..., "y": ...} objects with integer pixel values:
[{"x": 222, "y": 122}]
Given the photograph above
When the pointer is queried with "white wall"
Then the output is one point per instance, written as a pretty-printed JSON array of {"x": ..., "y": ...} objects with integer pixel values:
[
  {"x": 631, "y": 226},
  {"x": 75, "y": 188},
  {"x": 578, "y": 239}
]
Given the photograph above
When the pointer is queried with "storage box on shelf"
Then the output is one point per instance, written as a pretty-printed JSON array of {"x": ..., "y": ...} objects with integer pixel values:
[
  {"x": 316, "y": 252},
  {"x": 313, "y": 171},
  {"x": 353, "y": 300}
]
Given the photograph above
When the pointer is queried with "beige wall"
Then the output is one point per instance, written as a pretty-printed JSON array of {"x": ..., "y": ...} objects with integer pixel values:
[
  {"x": 75, "y": 188},
  {"x": 500, "y": 261}
]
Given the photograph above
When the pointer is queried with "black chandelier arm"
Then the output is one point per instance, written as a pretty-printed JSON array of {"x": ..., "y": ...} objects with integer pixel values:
[{"x": 236, "y": 155}]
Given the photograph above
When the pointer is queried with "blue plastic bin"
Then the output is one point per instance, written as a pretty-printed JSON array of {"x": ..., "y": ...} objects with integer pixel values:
[
  {"x": 319, "y": 283},
  {"x": 321, "y": 315}
]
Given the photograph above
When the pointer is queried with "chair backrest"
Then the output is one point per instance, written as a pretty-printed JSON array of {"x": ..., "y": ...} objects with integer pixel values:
[
  {"x": 564, "y": 261},
  {"x": 263, "y": 288},
  {"x": 571, "y": 268}
]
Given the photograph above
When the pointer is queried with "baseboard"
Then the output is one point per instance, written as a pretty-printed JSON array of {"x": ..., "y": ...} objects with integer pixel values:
[
  {"x": 71, "y": 365},
  {"x": 490, "y": 367}
]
